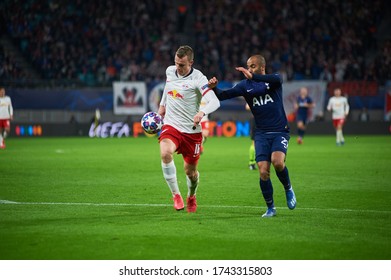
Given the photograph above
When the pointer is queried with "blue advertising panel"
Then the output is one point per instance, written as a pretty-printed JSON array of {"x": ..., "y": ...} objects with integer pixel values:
[{"x": 54, "y": 99}]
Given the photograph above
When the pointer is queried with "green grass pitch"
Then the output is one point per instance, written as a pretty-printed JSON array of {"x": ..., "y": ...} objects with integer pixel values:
[{"x": 80, "y": 198}]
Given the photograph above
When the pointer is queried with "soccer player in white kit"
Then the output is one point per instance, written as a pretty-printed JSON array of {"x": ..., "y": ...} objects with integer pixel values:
[
  {"x": 339, "y": 107},
  {"x": 6, "y": 115},
  {"x": 181, "y": 132}
]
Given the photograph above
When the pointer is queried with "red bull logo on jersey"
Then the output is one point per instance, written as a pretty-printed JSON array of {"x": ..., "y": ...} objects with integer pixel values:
[{"x": 175, "y": 94}]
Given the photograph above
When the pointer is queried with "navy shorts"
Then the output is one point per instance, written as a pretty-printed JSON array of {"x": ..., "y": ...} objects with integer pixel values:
[
  {"x": 302, "y": 117},
  {"x": 266, "y": 144}
]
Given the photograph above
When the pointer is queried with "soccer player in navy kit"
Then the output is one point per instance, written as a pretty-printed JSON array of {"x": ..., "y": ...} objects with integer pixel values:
[
  {"x": 263, "y": 94},
  {"x": 302, "y": 106}
]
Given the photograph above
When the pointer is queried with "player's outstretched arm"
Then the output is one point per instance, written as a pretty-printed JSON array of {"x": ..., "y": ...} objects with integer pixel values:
[{"x": 245, "y": 72}]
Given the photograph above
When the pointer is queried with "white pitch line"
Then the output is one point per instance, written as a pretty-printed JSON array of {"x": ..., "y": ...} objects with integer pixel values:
[{"x": 169, "y": 205}]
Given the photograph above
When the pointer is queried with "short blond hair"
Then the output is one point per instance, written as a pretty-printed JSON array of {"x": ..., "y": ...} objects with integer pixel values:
[{"x": 185, "y": 51}]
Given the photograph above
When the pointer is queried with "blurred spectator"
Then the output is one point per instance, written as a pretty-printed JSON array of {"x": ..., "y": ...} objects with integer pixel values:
[
  {"x": 364, "y": 115},
  {"x": 340, "y": 68},
  {"x": 9, "y": 67},
  {"x": 326, "y": 75}
]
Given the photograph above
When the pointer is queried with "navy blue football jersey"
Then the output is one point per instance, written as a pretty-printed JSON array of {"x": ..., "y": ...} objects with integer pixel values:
[
  {"x": 263, "y": 93},
  {"x": 302, "y": 110}
]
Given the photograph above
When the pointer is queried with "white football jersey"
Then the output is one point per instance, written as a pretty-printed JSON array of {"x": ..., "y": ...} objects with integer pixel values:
[
  {"x": 338, "y": 106},
  {"x": 6, "y": 110},
  {"x": 182, "y": 97}
]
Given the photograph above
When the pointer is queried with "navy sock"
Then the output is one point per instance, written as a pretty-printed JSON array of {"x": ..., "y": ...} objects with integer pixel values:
[
  {"x": 283, "y": 176},
  {"x": 300, "y": 132},
  {"x": 267, "y": 192}
]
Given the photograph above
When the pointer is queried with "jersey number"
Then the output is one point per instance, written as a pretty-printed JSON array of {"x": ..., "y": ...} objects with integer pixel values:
[
  {"x": 197, "y": 149},
  {"x": 284, "y": 142}
]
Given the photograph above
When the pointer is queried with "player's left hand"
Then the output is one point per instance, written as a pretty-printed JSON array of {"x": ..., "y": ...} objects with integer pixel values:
[{"x": 245, "y": 72}]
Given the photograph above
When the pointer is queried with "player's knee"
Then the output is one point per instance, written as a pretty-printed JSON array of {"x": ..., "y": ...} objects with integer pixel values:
[
  {"x": 166, "y": 156},
  {"x": 264, "y": 174},
  {"x": 279, "y": 165},
  {"x": 192, "y": 174}
]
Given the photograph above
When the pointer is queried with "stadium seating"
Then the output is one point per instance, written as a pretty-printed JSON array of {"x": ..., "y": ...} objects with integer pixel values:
[{"x": 95, "y": 42}]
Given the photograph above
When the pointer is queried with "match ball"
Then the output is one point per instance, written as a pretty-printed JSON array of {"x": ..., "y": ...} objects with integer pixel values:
[{"x": 152, "y": 122}]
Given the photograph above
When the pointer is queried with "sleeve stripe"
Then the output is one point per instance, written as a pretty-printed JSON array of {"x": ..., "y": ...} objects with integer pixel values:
[{"x": 206, "y": 91}]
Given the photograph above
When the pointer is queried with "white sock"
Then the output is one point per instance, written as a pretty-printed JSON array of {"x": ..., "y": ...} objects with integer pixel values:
[
  {"x": 338, "y": 136},
  {"x": 169, "y": 173},
  {"x": 192, "y": 186},
  {"x": 1, "y": 138}
]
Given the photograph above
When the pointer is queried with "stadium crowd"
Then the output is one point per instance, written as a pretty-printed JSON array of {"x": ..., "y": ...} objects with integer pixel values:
[
  {"x": 9, "y": 68},
  {"x": 97, "y": 42}
]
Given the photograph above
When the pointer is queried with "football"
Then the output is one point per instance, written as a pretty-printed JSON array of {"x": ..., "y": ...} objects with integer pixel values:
[{"x": 152, "y": 122}]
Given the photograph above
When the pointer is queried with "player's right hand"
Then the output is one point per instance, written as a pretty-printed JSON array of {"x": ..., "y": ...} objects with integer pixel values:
[
  {"x": 197, "y": 118},
  {"x": 162, "y": 111},
  {"x": 212, "y": 83}
]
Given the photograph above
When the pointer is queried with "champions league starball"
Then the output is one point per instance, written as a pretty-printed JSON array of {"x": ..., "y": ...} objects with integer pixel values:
[{"x": 152, "y": 122}]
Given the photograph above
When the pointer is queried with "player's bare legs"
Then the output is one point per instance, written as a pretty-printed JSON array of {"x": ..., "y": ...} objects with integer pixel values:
[
  {"x": 278, "y": 161},
  {"x": 167, "y": 149}
]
